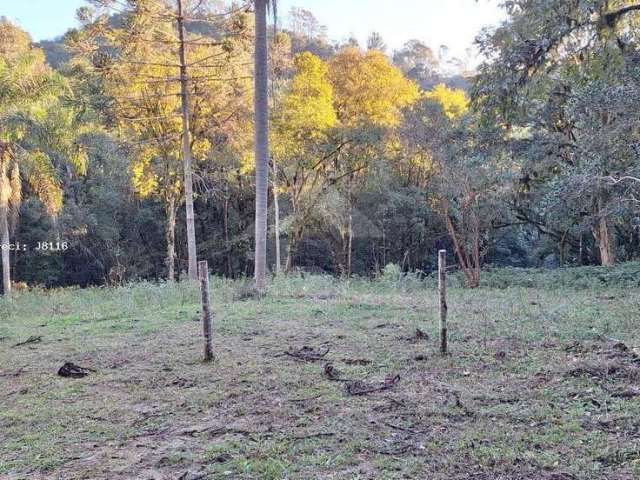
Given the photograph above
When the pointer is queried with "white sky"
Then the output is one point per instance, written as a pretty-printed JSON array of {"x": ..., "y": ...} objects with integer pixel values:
[{"x": 454, "y": 23}]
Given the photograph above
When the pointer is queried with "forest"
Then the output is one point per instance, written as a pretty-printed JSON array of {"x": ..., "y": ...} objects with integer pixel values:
[
  {"x": 376, "y": 157},
  {"x": 234, "y": 247}
]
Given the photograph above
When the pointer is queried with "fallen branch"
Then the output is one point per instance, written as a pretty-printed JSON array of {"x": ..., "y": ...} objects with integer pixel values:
[
  {"x": 399, "y": 451},
  {"x": 403, "y": 429},
  {"x": 189, "y": 476},
  {"x": 313, "y": 435},
  {"x": 13, "y": 374},
  {"x": 296, "y": 400},
  {"x": 333, "y": 374},
  {"x": 355, "y": 388},
  {"x": 356, "y": 361},
  {"x": 31, "y": 339},
  {"x": 217, "y": 431},
  {"x": 392, "y": 405},
  {"x": 307, "y": 354}
]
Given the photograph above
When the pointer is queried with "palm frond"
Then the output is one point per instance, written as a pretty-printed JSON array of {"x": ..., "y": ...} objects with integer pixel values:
[{"x": 42, "y": 177}]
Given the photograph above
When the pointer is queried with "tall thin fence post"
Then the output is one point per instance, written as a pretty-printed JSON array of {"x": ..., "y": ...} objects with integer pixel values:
[
  {"x": 442, "y": 294},
  {"x": 203, "y": 275}
]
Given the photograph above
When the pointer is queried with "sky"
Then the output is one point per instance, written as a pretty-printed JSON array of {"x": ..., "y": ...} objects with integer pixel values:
[{"x": 454, "y": 23}]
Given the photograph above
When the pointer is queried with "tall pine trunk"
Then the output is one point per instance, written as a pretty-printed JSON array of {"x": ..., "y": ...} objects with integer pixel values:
[
  {"x": 261, "y": 141},
  {"x": 186, "y": 152}
]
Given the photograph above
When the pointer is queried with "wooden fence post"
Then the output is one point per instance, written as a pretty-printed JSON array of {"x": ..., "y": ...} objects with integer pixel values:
[
  {"x": 442, "y": 294},
  {"x": 203, "y": 275}
]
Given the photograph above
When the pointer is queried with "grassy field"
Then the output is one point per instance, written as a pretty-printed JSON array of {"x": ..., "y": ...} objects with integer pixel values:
[{"x": 542, "y": 382}]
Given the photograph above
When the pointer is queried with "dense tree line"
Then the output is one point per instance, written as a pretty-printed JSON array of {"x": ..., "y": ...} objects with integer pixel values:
[{"x": 375, "y": 157}]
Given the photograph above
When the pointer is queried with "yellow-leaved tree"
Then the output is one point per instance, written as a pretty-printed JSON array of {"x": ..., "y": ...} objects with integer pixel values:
[
  {"x": 454, "y": 101},
  {"x": 370, "y": 94},
  {"x": 413, "y": 159},
  {"x": 369, "y": 89},
  {"x": 299, "y": 132},
  {"x": 328, "y": 128},
  {"x": 171, "y": 92}
]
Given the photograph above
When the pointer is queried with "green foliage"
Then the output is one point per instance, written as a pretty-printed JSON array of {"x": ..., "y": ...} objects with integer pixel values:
[
  {"x": 35, "y": 124},
  {"x": 377, "y": 159},
  {"x": 391, "y": 273}
]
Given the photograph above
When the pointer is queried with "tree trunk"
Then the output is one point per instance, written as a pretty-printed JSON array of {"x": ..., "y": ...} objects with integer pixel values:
[
  {"x": 350, "y": 239},
  {"x": 562, "y": 248},
  {"x": 580, "y": 261},
  {"x": 261, "y": 141},
  {"x": 604, "y": 235},
  {"x": 606, "y": 241},
  {"x": 203, "y": 273},
  {"x": 475, "y": 231},
  {"x": 227, "y": 244},
  {"x": 294, "y": 240},
  {"x": 170, "y": 233},
  {"x": 4, "y": 246},
  {"x": 5, "y": 189},
  {"x": 470, "y": 267},
  {"x": 384, "y": 245},
  {"x": 186, "y": 152},
  {"x": 442, "y": 296},
  {"x": 276, "y": 212},
  {"x": 288, "y": 264}
]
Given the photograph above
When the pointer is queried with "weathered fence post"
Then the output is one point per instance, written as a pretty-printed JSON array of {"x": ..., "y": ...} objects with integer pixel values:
[
  {"x": 203, "y": 274},
  {"x": 442, "y": 294}
]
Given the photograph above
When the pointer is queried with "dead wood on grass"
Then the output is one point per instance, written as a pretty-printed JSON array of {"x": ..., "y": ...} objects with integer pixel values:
[
  {"x": 31, "y": 339},
  {"x": 307, "y": 354},
  {"x": 333, "y": 373},
  {"x": 357, "y": 361},
  {"x": 358, "y": 387}
]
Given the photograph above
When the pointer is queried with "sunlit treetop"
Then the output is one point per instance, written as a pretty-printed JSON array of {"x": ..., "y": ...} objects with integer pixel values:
[
  {"x": 306, "y": 111},
  {"x": 138, "y": 64},
  {"x": 369, "y": 89},
  {"x": 454, "y": 101}
]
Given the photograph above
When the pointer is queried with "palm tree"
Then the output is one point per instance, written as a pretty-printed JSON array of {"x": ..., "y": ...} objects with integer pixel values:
[
  {"x": 35, "y": 131},
  {"x": 262, "y": 137}
]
